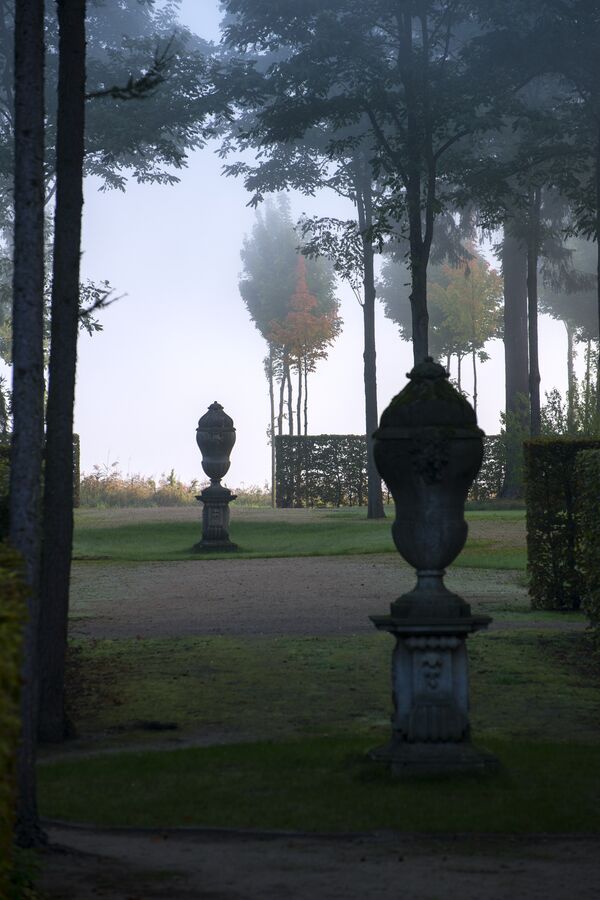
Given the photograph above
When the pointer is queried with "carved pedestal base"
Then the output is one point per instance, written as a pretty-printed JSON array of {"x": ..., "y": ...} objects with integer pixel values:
[
  {"x": 430, "y": 688},
  {"x": 215, "y": 520}
]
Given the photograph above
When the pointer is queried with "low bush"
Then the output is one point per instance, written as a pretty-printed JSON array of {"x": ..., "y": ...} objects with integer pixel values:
[
  {"x": 12, "y": 611},
  {"x": 587, "y": 480}
]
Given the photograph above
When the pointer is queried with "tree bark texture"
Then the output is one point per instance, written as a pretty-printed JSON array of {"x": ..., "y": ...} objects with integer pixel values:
[
  {"x": 474, "y": 357},
  {"x": 375, "y": 508},
  {"x": 516, "y": 362},
  {"x": 299, "y": 401},
  {"x": 290, "y": 406},
  {"x": 533, "y": 246},
  {"x": 58, "y": 484},
  {"x": 28, "y": 377}
]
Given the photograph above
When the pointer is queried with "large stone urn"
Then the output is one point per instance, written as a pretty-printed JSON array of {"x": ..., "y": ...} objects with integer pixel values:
[
  {"x": 215, "y": 436},
  {"x": 428, "y": 450}
]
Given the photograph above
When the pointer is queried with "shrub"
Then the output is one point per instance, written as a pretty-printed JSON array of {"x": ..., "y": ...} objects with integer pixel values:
[
  {"x": 331, "y": 470},
  {"x": 4, "y": 480},
  {"x": 12, "y": 612},
  {"x": 587, "y": 481},
  {"x": 107, "y": 487},
  {"x": 550, "y": 497}
]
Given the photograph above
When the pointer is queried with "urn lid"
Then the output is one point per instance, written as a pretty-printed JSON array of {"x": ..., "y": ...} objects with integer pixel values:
[
  {"x": 427, "y": 400},
  {"x": 216, "y": 419}
]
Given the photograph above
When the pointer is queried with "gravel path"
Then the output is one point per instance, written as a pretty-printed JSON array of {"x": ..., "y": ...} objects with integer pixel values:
[{"x": 310, "y": 595}]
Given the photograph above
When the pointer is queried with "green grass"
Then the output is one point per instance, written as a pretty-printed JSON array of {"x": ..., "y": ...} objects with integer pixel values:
[
  {"x": 327, "y": 534},
  {"x": 524, "y": 684},
  {"x": 327, "y": 784}
]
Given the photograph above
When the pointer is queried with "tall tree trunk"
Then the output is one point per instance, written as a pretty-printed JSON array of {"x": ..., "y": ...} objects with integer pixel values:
[
  {"x": 570, "y": 379},
  {"x": 459, "y": 373},
  {"x": 305, "y": 396},
  {"x": 299, "y": 401},
  {"x": 375, "y": 508},
  {"x": 533, "y": 243},
  {"x": 474, "y": 357},
  {"x": 597, "y": 237},
  {"x": 516, "y": 363},
  {"x": 588, "y": 386},
  {"x": 281, "y": 403},
  {"x": 28, "y": 379},
  {"x": 448, "y": 358},
  {"x": 290, "y": 406},
  {"x": 58, "y": 482},
  {"x": 272, "y": 424}
]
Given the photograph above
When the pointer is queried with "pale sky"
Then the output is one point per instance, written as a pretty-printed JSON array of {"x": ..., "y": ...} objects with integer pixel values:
[{"x": 181, "y": 337}]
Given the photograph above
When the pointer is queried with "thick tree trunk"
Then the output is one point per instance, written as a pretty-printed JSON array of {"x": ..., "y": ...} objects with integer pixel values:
[
  {"x": 28, "y": 379},
  {"x": 418, "y": 305},
  {"x": 58, "y": 482},
  {"x": 375, "y": 508},
  {"x": 535, "y": 196},
  {"x": 516, "y": 363},
  {"x": 570, "y": 379},
  {"x": 474, "y": 357}
]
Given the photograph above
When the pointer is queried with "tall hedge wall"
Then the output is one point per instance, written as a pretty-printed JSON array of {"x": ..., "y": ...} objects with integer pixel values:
[
  {"x": 587, "y": 520},
  {"x": 331, "y": 470},
  {"x": 551, "y": 501},
  {"x": 12, "y": 611}
]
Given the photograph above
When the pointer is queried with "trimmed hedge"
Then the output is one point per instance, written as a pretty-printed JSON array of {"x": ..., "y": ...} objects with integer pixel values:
[
  {"x": 587, "y": 518},
  {"x": 331, "y": 470},
  {"x": 12, "y": 614},
  {"x": 551, "y": 499}
]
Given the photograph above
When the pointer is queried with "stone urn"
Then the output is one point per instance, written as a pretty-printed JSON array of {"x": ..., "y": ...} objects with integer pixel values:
[
  {"x": 215, "y": 436},
  {"x": 428, "y": 450}
]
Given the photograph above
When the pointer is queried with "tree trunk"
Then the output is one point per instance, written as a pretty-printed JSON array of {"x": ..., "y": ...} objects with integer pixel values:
[
  {"x": 290, "y": 406},
  {"x": 588, "y": 388},
  {"x": 299, "y": 401},
  {"x": 474, "y": 356},
  {"x": 272, "y": 425},
  {"x": 375, "y": 508},
  {"x": 448, "y": 358},
  {"x": 459, "y": 373},
  {"x": 28, "y": 379},
  {"x": 597, "y": 238},
  {"x": 281, "y": 403},
  {"x": 535, "y": 197},
  {"x": 570, "y": 380},
  {"x": 58, "y": 482},
  {"x": 305, "y": 397},
  {"x": 516, "y": 364}
]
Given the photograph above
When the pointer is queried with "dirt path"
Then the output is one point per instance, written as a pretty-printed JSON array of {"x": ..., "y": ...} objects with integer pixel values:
[{"x": 168, "y": 866}]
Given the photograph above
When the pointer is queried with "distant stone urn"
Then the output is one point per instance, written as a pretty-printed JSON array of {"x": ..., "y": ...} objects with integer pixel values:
[{"x": 215, "y": 436}]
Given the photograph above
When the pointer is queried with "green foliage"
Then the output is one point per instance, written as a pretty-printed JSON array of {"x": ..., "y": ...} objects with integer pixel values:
[
  {"x": 4, "y": 488},
  {"x": 551, "y": 500},
  {"x": 587, "y": 480},
  {"x": 12, "y": 611}
]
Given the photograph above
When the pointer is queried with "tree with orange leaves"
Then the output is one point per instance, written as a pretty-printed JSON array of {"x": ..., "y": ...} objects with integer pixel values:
[{"x": 303, "y": 336}]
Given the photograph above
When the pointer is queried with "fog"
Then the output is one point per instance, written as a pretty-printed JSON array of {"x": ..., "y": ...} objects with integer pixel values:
[{"x": 180, "y": 337}]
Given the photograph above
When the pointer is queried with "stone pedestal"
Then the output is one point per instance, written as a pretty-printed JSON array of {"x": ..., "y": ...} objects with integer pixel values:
[
  {"x": 215, "y": 519},
  {"x": 430, "y": 689}
]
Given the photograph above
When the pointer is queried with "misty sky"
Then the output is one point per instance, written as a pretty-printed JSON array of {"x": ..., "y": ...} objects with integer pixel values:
[{"x": 180, "y": 337}]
